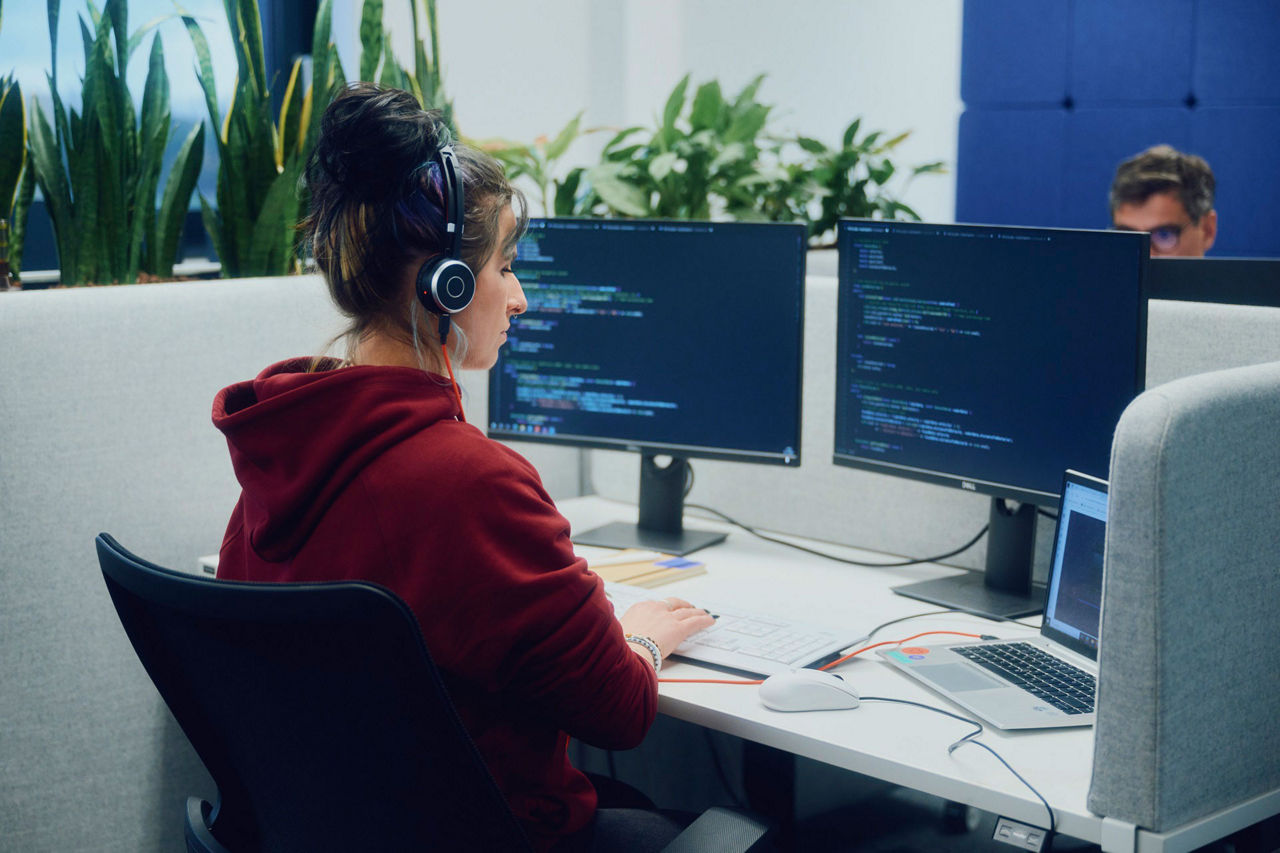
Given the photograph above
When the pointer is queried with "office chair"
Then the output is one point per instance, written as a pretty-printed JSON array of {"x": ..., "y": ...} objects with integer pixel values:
[{"x": 322, "y": 719}]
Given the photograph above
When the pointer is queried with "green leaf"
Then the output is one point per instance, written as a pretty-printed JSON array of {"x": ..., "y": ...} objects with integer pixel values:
[
  {"x": 292, "y": 106},
  {"x": 881, "y": 172},
  {"x": 708, "y": 103},
  {"x": 213, "y": 227},
  {"x": 566, "y": 198},
  {"x": 204, "y": 70},
  {"x": 675, "y": 103},
  {"x": 731, "y": 153},
  {"x": 851, "y": 132},
  {"x": 322, "y": 73},
  {"x": 557, "y": 147},
  {"x": 621, "y": 137},
  {"x": 177, "y": 197},
  {"x": 135, "y": 40},
  {"x": 271, "y": 245},
  {"x": 812, "y": 146},
  {"x": 747, "y": 125},
  {"x": 662, "y": 165},
  {"x": 747, "y": 97},
  {"x": 371, "y": 43},
  {"x": 608, "y": 181},
  {"x": 935, "y": 168},
  {"x": 895, "y": 141},
  {"x": 47, "y": 163},
  {"x": 26, "y": 191},
  {"x": 13, "y": 143},
  {"x": 52, "y": 9}
]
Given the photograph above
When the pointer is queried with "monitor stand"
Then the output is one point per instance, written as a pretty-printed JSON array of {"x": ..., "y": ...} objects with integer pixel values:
[
  {"x": 1005, "y": 589},
  {"x": 661, "y": 522}
]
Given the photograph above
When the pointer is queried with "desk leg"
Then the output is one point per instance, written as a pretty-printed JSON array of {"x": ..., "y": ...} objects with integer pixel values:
[{"x": 769, "y": 780}]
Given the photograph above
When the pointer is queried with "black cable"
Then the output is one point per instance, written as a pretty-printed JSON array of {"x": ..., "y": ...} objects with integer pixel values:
[
  {"x": 966, "y": 546},
  {"x": 969, "y": 738}
]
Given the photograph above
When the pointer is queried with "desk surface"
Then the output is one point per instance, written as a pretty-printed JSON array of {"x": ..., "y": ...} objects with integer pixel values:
[{"x": 900, "y": 744}]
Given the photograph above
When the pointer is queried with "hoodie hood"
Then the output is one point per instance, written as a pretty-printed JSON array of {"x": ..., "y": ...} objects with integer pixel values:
[{"x": 298, "y": 438}]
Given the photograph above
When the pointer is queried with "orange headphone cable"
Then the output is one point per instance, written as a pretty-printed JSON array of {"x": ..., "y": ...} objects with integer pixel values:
[{"x": 456, "y": 392}]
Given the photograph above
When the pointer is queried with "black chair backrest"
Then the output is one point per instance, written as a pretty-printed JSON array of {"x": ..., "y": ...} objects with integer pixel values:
[{"x": 316, "y": 709}]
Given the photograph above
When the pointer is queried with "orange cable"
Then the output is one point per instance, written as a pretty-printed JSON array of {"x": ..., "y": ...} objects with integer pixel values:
[
  {"x": 456, "y": 393},
  {"x": 826, "y": 667}
]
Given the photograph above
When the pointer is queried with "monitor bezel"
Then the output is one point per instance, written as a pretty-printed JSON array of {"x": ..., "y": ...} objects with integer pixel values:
[
  {"x": 1226, "y": 281},
  {"x": 1007, "y": 491},
  {"x": 1047, "y": 630},
  {"x": 684, "y": 451}
]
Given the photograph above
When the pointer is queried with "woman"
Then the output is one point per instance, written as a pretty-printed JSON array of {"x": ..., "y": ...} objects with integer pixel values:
[{"x": 366, "y": 469}]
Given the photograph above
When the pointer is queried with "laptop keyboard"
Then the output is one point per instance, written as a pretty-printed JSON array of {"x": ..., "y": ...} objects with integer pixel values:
[{"x": 1066, "y": 687}]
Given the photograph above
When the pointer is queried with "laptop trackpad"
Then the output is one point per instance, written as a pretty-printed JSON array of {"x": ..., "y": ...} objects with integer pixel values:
[{"x": 958, "y": 677}]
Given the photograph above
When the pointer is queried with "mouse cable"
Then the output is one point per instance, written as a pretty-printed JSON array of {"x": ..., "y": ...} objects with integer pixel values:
[
  {"x": 970, "y": 738},
  {"x": 895, "y": 565},
  {"x": 877, "y": 629}
]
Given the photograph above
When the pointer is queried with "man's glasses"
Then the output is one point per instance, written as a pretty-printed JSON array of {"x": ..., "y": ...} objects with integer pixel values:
[{"x": 1164, "y": 238}]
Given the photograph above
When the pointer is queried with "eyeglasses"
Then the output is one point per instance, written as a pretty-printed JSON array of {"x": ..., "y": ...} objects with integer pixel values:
[{"x": 1164, "y": 238}]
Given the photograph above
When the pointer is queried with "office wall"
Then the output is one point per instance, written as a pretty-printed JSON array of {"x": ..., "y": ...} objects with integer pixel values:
[
  {"x": 1057, "y": 94},
  {"x": 520, "y": 69}
]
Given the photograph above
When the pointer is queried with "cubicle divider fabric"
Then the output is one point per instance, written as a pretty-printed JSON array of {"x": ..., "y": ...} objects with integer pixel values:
[{"x": 1057, "y": 94}]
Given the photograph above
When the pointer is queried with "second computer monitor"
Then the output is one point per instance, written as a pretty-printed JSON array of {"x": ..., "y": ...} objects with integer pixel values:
[
  {"x": 987, "y": 358},
  {"x": 679, "y": 339}
]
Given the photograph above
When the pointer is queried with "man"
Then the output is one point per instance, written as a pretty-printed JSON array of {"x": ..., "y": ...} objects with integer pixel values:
[{"x": 1169, "y": 194}]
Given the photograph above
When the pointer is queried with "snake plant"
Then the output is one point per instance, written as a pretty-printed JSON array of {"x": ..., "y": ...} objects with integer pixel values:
[
  {"x": 99, "y": 168},
  {"x": 261, "y": 157}
]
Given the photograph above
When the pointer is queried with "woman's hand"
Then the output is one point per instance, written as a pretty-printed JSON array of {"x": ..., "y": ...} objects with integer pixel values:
[{"x": 667, "y": 622}]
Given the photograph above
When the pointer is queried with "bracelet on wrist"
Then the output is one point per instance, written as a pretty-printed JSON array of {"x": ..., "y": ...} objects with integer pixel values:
[{"x": 651, "y": 646}]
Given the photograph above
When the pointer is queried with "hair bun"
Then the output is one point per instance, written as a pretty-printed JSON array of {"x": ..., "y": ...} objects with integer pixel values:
[{"x": 371, "y": 141}]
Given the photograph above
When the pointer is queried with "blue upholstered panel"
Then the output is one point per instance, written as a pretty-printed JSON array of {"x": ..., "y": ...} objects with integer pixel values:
[
  {"x": 1015, "y": 51},
  {"x": 1241, "y": 144},
  {"x": 1201, "y": 75},
  {"x": 1098, "y": 139},
  {"x": 1010, "y": 168},
  {"x": 1111, "y": 62},
  {"x": 1237, "y": 50}
]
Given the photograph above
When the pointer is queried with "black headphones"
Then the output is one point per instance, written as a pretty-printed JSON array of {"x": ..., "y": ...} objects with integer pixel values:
[{"x": 446, "y": 284}]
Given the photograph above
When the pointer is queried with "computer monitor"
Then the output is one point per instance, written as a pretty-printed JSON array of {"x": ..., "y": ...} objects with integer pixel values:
[
  {"x": 1233, "y": 281},
  {"x": 667, "y": 338},
  {"x": 988, "y": 359}
]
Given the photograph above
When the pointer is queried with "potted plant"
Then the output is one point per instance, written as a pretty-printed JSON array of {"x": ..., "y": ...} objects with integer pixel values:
[{"x": 99, "y": 168}]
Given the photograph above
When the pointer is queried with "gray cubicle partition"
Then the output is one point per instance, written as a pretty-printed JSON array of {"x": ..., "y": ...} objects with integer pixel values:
[{"x": 105, "y": 401}]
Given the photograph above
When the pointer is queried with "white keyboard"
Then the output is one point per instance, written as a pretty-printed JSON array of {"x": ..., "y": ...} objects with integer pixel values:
[{"x": 751, "y": 642}]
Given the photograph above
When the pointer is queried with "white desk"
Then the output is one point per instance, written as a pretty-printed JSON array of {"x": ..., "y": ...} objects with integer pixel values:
[{"x": 899, "y": 744}]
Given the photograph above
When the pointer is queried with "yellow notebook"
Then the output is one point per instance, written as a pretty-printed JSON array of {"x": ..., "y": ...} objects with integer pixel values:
[{"x": 645, "y": 568}]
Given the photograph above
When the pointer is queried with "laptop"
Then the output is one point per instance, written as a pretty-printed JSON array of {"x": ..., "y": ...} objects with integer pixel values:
[{"x": 1042, "y": 682}]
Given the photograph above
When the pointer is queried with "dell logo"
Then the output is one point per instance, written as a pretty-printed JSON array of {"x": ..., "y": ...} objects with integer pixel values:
[{"x": 965, "y": 484}]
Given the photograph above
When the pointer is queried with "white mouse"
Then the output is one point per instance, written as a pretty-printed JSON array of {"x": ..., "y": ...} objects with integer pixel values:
[{"x": 807, "y": 690}]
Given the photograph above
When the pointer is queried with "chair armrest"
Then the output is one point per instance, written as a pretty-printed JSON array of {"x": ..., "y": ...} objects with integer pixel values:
[
  {"x": 199, "y": 838},
  {"x": 720, "y": 830}
]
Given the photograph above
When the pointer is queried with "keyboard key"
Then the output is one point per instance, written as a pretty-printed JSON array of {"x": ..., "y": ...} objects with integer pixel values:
[{"x": 1066, "y": 687}]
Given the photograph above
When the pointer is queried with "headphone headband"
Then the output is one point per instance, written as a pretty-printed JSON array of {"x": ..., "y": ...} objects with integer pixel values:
[
  {"x": 445, "y": 283},
  {"x": 455, "y": 203}
]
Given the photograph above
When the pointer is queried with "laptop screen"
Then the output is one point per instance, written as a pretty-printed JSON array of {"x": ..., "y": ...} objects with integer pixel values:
[{"x": 1074, "y": 602}]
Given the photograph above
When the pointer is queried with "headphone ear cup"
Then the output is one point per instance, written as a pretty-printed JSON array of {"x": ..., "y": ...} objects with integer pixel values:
[{"x": 446, "y": 286}]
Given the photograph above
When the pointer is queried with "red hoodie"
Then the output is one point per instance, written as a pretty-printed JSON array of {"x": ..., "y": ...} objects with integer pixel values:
[{"x": 366, "y": 473}]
